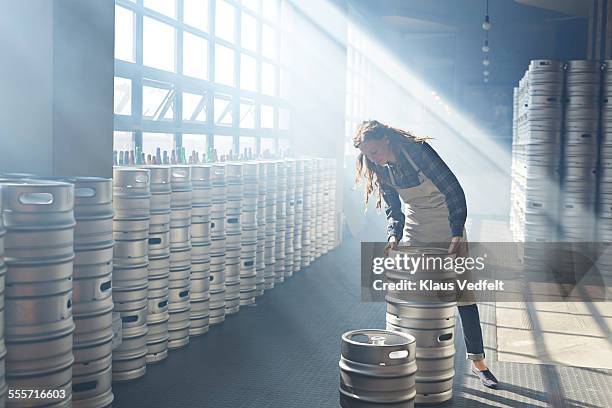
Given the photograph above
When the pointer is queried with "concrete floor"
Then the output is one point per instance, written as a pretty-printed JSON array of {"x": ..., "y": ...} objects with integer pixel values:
[{"x": 284, "y": 353}]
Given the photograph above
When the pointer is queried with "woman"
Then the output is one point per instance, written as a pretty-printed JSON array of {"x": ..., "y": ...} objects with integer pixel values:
[{"x": 398, "y": 165}]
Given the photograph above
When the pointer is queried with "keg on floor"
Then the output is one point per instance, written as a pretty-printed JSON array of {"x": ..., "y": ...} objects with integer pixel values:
[
  {"x": 181, "y": 200},
  {"x": 281, "y": 219},
  {"x": 260, "y": 260},
  {"x": 159, "y": 264},
  {"x": 270, "y": 230},
  {"x": 3, "y": 386},
  {"x": 38, "y": 323},
  {"x": 248, "y": 222},
  {"x": 377, "y": 368},
  {"x": 92, "y": 302},
  {"x": 132, "y": 214},
  {"x": 233, "y": 231},
  {"x": 217, "y": 282},
  {"x": 430, "y": 318},
  {"x": 201, "y": 179}
]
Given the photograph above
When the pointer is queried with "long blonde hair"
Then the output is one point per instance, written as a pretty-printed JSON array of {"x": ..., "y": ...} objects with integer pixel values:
[{"x": 368, "y": 170}]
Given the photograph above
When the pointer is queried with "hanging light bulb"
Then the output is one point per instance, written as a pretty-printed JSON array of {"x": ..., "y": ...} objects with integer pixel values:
[
  {"x": 485, "y": 47},
  {"x": 486, "y": 61},
  {"x": 486, "y": 24},
  {"x": 486, "y": 72}
]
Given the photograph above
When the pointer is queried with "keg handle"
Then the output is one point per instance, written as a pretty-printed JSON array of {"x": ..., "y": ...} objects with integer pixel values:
[
  {"x": 140, "y": 179},
  {"x": 179, "y": 173},
  {"x": 103, "y": 288},
  {"x": 32, "y": 198},
  {"x": 184, "y": 294},
  {"x": 84, "y": 192},
  {"x": 68, "y": 309}
]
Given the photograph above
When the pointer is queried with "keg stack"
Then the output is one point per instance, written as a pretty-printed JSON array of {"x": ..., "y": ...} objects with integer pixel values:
[
  {"x": 308, "y": 213},
  {"x": 377, "y": 368},
  {"x": 92, "y": 301},
  {"x": 179, "y": 285},
  {"x": 217, "y": 244},
  {"x": 604, "y": 221},
  {"x": 299, "y": 215},
  {"x": 131, "y": 204},
  {"x": 260, "y": 259},
  {"x": 329, "y": 206},
  {"x": 319, "y": 187},
  {"x": 539, "y": 150},
  {"x": 270, "y": 213},
  {"x": 38, "y": 325},
  {"x": 514, "y": 172},
  {"x": 3, "y": 386},
  {"x": 233, "y": 231},
  {"x": 281, "y": 221},
  {"x": 249, "y": 243},
  {"x": 580, "y": 150},
  {"x": 200, "y": 249},
  {"x": 159, "y": 264},
  {"x": 291, "y": 166},
  {"x": 431, "y": 322}
]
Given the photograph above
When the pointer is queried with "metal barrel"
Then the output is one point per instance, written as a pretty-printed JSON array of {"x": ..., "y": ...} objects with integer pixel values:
[
  {"x": 217, "y": 282},
  {"x": 377, "y": 368},
  {"x": 179, "y": 308},
  {"x": 233, "y": 230},
  {"x": 157, "y": 310},
  {"x": 92, "y": 302},
  {"x": 39, "y": 249},
  {"x": 200, "y": 298},
  {"x": 290, "y": 165},
  {"x": 308, "y": 235},
  {"x": 131, "y": 223},
  {"x": 270, "y": 229},
  {"x": 249, "y": 233},
  {"x": 299, "y": 215},
  {"x": 232, "y": 281},
  {"x": 260, "y": 261},
  {"x": 281, "y": 218}
]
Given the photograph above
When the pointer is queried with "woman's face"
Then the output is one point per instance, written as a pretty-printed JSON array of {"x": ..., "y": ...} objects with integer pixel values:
[{"x": 378, "y": 150}]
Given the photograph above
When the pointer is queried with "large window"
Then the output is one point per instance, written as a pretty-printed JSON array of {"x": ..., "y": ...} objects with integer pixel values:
[{"x": 200, "y": 74}]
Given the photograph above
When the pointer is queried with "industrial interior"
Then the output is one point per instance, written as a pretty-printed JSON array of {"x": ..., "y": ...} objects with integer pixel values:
[{"x": 194, "y": 195}]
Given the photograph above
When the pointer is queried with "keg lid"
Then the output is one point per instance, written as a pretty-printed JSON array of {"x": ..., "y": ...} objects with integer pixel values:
[{"x": 371, "y": 346}]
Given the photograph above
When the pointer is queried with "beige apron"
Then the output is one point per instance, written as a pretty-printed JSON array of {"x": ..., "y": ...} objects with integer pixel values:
[{"x": 427, "y": 214}]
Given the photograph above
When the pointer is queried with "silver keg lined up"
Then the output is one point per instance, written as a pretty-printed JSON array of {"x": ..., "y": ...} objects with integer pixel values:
[
  {"x": 39, "y": 254},
  {"x": 200, "y": 249},
  {"x": 92, "y": 302},
  {"x": 299, "y": 215},
  {"x": 260, "y": 259},
  {"x": 159, "y": 264},
  {"x": 281, "y": 219},
  {"x": 131, "y": 204},
  {"x": 3, "y": 386},
  {"x": 249, "y": 237},
  {"x": 270, "y": 214},
  {"x": 217, "y": 248},
  {"x": 179, "y": 286},
  {"x": 233, "y": 231},
  {"x": 377, "y": 368},
  {"x": 290, "y": 218},
  {"x": 309, "y": 213}
]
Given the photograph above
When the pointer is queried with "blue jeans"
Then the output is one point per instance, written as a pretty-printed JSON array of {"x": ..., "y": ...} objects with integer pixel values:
[{"x": 472, "y": 333}]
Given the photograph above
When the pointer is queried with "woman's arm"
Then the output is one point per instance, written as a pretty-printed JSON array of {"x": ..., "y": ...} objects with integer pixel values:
[
  {"x": 438, "y": 172},
  {"x": 393, "y": 210}
]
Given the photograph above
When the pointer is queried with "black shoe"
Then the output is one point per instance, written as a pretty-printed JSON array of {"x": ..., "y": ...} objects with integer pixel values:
[{"x": 486, "y": 378}]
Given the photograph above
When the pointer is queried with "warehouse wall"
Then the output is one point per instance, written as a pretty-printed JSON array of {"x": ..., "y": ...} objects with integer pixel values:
[{"x": 57, "y": 114}]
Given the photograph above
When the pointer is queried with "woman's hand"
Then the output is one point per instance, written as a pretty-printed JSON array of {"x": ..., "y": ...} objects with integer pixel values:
[
  {"x": 392, "y": 245},
  {"x": 454, "y": 245}
]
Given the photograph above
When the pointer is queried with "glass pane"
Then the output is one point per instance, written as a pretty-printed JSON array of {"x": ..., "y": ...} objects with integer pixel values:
[
  {"x": 268, "y": 79},
  {"x": 224, "y": 65},
  {"x": 247, "y": 114},
  {"x": 248, "y": 32},
  {"x": 195, "y": 56},
  {"x": 123, "y": 141},
  {"x": 251, "y": 4},
  {"x": 124, "y": 34},
  {"x": 268, "y": 42},
  {"x": 166, "y": 7},
  {"x": 195, "y": 143},
  {"x": 157, "y": 103},
  {"x": 194, "y": 107},
  {"x": 283, "y": 118},
  {"x": 195, "y": 13},
  {"x": 151, "y": 141},
  {"x": 248, "y": 143},
  {"x": 225, "y": 20},
  {"x": 123, "y": 96},
  {"x": 270, "y": 9},
  {"x": 285, "y": 89},
  {"x": 248, "y": 73},
  {"x": 267, "y": 116},
  {"x": 268, "y": 146},
  {"x": 159, "y": 44},
  {"x": 224, "y": 145},
  {"x": 223, "y": 111},
  {"x": 283, "y": 145}
]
